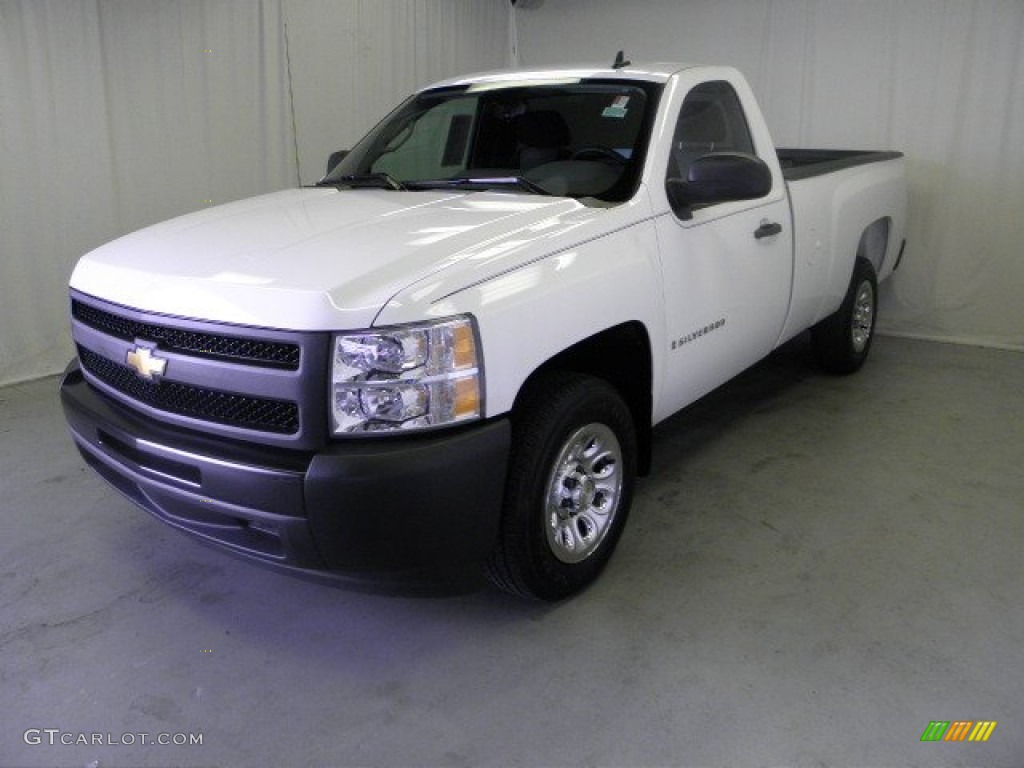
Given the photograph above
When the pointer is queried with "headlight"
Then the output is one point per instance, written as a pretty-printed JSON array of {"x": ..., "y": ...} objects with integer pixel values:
[{"x": 405, "y": 378}]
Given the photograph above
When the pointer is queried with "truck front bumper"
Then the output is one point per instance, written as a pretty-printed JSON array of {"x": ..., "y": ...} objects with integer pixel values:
[{"x": 403, "y": 513}]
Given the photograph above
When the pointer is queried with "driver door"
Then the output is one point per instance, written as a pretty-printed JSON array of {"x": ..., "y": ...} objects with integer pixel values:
[{"x": 727, "y": 267}]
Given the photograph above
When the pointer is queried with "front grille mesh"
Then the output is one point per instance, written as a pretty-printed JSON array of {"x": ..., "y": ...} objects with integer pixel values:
[
  {"x": 197, "y": 402},
  {"x": 275, "y": 354}
]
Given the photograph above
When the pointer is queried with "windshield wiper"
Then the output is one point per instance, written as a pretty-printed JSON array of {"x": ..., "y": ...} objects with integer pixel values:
[
  {"x": 469, "y": 182},
  {"x": 359, "y": 180}
]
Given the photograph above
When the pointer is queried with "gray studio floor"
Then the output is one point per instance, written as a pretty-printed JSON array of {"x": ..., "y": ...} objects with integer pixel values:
[{"x": 816, "y": 569}]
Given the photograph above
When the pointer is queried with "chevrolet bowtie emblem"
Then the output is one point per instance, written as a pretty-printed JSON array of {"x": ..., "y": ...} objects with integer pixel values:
[{"x": 141, "y": 360}]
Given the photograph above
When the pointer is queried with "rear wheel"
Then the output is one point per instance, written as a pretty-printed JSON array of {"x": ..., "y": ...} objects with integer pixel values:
[
  {"x": 569, "y": 488},
  {"x": 841, "y": 341}
]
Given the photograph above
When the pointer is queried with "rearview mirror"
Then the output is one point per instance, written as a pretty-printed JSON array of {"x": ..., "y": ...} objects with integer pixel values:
[{"x": 718, "y": 178}]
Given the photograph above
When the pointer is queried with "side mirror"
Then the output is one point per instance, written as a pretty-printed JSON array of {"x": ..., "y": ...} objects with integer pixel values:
[
  {"x": 335, "y": 158},
  {"x": 718, "y": 178}
]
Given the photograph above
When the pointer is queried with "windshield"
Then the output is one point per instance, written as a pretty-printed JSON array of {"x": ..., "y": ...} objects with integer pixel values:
[{"x": 583, "y": 139}]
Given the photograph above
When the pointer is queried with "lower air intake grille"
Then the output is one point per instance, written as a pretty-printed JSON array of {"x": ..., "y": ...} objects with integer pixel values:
[{"x": 209, "y": 404}]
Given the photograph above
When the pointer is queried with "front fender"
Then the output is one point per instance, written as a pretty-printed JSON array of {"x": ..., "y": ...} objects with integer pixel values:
[{"x": 591, "y": 277}]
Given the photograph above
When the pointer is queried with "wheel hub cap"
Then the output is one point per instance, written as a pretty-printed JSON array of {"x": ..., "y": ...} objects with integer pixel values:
[
  {"x": 584, "y": 491},
  {"x": 863, "y": 316}
]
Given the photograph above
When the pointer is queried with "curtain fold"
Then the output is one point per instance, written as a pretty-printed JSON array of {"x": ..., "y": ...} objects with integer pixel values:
[
  {"x": 353, "y": 62},
  {"x": 940, "y": 80},
  {"x": 57, "y": 194},
  {"x": 115, "y": 115}
]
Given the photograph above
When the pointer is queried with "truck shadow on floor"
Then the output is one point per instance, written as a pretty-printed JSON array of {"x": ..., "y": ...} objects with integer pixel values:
[{"x": 763, "y": 388}]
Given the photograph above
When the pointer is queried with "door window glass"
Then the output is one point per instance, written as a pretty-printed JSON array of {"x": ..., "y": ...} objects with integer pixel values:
[{"x": 711, "y": 120}]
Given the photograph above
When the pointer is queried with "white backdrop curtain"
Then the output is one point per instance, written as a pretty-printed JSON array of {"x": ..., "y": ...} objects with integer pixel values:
[
  {"x": 941, "y": 80},
  {"x": 353, "y": 60},
  {"x": 118, "y": 114}
]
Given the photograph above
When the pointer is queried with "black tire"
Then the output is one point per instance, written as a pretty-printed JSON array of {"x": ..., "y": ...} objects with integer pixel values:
[
  {"x": 574, "y": 443},
  {"x": 842, "y": 340}
]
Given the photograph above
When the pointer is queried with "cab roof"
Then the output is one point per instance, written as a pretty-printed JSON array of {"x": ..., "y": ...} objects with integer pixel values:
[{"x": 655, "y": 72}]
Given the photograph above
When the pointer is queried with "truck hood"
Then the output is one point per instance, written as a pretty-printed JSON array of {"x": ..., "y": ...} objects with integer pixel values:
[{"x": 319, "y": 259}]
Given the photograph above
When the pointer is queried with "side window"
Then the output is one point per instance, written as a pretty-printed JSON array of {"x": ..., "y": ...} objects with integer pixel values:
[{"x": 711, "y": 120}]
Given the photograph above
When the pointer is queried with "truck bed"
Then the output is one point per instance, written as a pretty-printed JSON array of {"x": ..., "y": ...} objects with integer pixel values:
[{"x": 805, "y": 163}]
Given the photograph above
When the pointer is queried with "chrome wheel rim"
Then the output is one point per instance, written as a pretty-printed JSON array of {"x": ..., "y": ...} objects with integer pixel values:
[
  {"x": 584, "y": 492},
  {"x": 863, "y": 316}
]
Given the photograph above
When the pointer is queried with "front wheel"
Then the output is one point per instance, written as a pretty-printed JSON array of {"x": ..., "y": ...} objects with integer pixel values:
[
  {"x": 569, "y": 488},
  {"x": 842, "y": 340}
]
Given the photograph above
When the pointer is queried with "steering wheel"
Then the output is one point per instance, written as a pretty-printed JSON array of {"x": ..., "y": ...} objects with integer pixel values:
[{"x": 599, "y": 152}]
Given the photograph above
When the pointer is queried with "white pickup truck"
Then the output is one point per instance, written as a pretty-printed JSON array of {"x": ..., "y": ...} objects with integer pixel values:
[{"x": 446, "y": 357}]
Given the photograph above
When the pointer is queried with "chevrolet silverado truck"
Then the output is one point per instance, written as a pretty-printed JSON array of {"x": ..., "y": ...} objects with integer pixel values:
[{"x": 445, "y": 358}]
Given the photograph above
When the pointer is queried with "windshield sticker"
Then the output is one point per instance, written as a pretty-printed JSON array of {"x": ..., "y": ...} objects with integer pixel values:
[{"x": 617, "y": 108}]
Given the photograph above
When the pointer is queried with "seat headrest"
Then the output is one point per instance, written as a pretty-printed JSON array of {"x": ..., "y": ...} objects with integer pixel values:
[
  {"x": 702, "y": 123},
  {"x": 544, "y": 129}
]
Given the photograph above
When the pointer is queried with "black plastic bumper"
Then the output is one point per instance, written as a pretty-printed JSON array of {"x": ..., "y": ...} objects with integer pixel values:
[{"x": 398, "y": 512}]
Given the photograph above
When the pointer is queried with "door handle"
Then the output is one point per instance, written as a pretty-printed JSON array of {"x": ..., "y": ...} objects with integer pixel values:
[{"x": 767, "y": 229}]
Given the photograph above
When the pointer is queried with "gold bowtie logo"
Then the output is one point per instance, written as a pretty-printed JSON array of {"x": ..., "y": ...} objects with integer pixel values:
[{"x": 142, "y": 361}]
